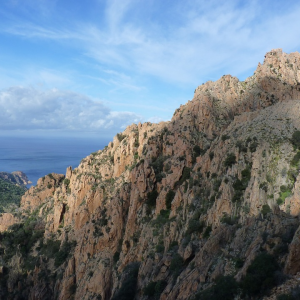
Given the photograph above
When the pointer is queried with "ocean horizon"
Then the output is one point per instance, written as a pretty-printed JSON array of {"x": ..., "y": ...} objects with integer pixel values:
[{"x": 37, "y": 157}]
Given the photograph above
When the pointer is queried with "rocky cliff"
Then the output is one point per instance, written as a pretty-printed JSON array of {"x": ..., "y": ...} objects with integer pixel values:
[{"x": 204, "y": 206}]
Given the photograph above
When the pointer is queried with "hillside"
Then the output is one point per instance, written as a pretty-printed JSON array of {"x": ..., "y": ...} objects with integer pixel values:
[
  {"x": 12, "y": 188},
  {"x": 204, "y": 206}
]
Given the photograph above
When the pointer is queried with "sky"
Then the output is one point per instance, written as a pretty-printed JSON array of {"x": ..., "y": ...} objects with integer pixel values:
[{"x": 90, "y": 68}]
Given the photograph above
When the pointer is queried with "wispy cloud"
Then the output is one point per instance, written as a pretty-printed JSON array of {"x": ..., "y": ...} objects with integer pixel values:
[{"x": 205, "y": 37}]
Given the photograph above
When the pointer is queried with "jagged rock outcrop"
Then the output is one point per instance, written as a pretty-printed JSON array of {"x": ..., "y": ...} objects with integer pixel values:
[{"x": 167, "y": 208}]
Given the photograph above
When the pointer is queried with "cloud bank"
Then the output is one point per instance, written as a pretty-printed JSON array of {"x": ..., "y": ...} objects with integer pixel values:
[{"x": 30, "y": 109}]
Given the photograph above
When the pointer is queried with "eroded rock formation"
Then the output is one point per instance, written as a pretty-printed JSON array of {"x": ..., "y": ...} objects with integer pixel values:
[{"x": 167, "y": 208}]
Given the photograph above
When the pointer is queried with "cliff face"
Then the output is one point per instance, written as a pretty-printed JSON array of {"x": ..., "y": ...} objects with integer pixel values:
[{"x": 165, "y": 209}]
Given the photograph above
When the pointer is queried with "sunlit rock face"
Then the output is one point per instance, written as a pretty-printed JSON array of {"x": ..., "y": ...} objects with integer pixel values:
[{"x": 165, "y": 209}]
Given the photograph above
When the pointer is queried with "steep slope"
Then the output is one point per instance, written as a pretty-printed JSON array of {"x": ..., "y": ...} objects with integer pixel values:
[
  {"x": 165, "y": 209},
  {"x": 12, "y": 187}
]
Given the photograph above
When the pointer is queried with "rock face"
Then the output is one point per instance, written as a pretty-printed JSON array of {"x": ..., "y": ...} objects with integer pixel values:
[{"x": 165, "y": 209}]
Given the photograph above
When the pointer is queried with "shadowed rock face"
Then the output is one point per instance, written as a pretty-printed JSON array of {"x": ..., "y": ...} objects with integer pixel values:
[{"x": 166, "y": 208}]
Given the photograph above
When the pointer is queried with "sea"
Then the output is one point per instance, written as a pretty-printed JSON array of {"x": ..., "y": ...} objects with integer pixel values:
[{"x": 37, "y": 157}]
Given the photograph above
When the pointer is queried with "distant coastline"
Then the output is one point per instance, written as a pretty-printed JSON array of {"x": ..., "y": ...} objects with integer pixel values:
[{"x": 37, "y": 157}]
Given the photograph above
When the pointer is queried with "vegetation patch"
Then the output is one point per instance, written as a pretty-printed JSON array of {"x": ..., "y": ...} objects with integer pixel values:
[
  {"x": 260, "y": 276},
  {"x": 284, "y": 193},
  {"x": 239, "y": 186},
  {"x": 186, "y": 174},
  {"x": 225, "y": 288},
  {"x": 129, "y": 285},
  {"x": 195, "y": 226},
  {"x": 295, "y": 140},
  {"x": 10, "y": 194},
  {"x": 207, "y": 231},
  {"x": 151, "y": 198},
  {"x": 266, "y": 209},
  {"x": 121, "y": 137},
  {"x": 229, "y": 220},
  {"x": 154, "y": 288},
  {"x": 176, "y": 265},
  {"x": 225, "y": 137},
  {"x": 158, "y": 165},
  {"x": 64, "y": 252},
  {"x": 230, "y": 160},
  {"x": 169, "y": 198}
]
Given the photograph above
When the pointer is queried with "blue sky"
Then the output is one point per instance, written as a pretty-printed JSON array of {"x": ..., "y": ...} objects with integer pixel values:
[{"x": 94, "y": 67}]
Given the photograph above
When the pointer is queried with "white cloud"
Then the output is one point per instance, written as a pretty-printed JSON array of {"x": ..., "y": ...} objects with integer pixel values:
[{"x": 31, "y": 109}]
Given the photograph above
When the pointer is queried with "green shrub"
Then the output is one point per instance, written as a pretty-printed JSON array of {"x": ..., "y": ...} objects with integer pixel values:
[
  {"x": 197, "y": 150},
  {"x": 224, "y": 288},
  {"x": 51, "y": 176},
  {"x": 149, "y": 289},
  {"x": 240, "y": 185},
  {"x": 239, "y": 263},
  {"x": 207, "y": 231},
  {"x": 128, "y": 288},
  {"x": 176, "y": 265},
  {"x": 50, "y": 248},
  {"x": 66, "y": 181},
  {"x": 195, "y": 226},
  {"x": 296, "y": 159},
  {"x": 116, "y": 256},
  {"x": 165, "y": 213},
  {"x": 241, "y": 146},
  {"x": 186, "y": 173},
  {"x": 285, "y": 297},
  {"x": 246, "y": 174},
  {"x": 260, "y": 275},
  {"x": 173, "y": 246},
  {"x": 72, "y": 288},
  {"x": 295, "y": 140},
  {"x": 121, "y": 137},
  {"x": 158, "y": 165},
  {"x": 230, "y": 220},
  {"x": 65, "y": 251},
  {"x": 280, "y": 201},
  {"x": 263, "y": 186},
  {"x": 160, "y": 248},
  {"x": 151, "y": 198},
  {"x": 265, "y": 209},
  {"x": 155, "y": 288},
  {"x": 230, "y": 160},
  {"x": 217, "y": 184},
  {"x": 225, "y": 137},
  {"x": 253, "y": 146},
  {"x": 169, "y": 198}
]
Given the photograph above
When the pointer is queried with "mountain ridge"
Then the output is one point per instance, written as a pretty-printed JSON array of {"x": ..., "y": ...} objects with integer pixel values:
[{"x": 166, "y": 209}]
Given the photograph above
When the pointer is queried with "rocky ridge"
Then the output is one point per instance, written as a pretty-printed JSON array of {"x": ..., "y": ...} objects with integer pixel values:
[{"x": 166, "y": 209}]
